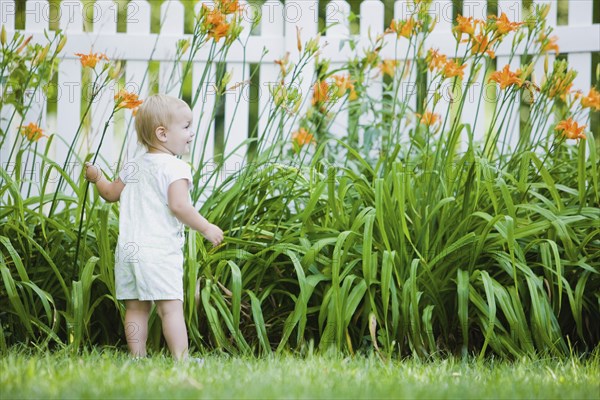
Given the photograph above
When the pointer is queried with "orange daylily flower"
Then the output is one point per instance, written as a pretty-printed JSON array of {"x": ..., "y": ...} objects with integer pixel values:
[
  {"x": 343, "y": 83},
  {"x": 90, "y": 60},
  {"x": 592, "y": 100},
  {"x": 230, "y": 6},
  {"x": 571, "y": 129},
  {"x": 465, "y": 25},
  {"x": 402, "y": 28},
  {"x": 452, "y": 69},
  {"x": 125, "y": 99},
  {"x": 481, "y": 45},
  {"x": 302, "y": 137},
  {"x": 213, "y": 16},
  {"x": 388, "y": 67},
  {"x": 435, "y": 60},
  {"x": 320, "y": 92},
  {"x": 549, "y": 45},
  {"x": 428, "y": 118},
  {"x": 32, "y": 132},
  {"x": 283, "y": 63},
  {"x": 503, "y": 25},
  {"x": 506, "y": 77},
  {"x": 218, "y": 32}
]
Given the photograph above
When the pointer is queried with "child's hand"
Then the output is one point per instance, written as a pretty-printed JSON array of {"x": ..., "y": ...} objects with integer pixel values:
[
  {"x": 92, "y": 173},
  {"x": 213, "y": 234}
]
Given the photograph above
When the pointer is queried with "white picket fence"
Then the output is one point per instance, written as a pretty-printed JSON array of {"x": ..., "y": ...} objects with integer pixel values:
[{"x": 137, "y": 46}]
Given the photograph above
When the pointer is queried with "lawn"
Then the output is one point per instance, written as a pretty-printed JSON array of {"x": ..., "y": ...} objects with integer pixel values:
[{"x": 106, "y": 374}]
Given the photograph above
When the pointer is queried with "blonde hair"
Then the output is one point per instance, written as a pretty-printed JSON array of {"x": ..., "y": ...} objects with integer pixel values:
[{"x": 157, "y": 110}]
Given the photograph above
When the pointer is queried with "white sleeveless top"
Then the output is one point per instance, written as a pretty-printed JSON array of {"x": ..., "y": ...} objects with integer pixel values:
[{"x": 145, "y": 220}]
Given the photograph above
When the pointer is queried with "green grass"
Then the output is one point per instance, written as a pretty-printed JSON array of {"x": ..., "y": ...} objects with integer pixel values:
[{"x": 111, "y": 374}]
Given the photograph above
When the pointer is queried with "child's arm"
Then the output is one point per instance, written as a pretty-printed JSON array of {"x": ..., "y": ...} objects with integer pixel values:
[
  {"x": 180, "y": 205},
  {"x": 109, "y": 191}
]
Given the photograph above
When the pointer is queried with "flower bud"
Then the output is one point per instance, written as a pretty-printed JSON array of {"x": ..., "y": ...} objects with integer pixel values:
[
  {"x": 297, "y": 104},
  {"x": 544, "y": 11},
  {"x": 527, "y": 72},
  {"x": 279, "y": 94},
  {"x": 313, "y": 44},
  {"x": 292, "y": 94},
  {"x": 115, "y": 70},
  {"x": 3, "y": 36},
  {"x": 41, "y": 55},
  {"x": 24, "y": 44},
  {"x": 226, "y": 79},
  {"x": 298, "y": 38},
  {"x": 61, "y": 44},
  {"x": 184, "y": 45}
]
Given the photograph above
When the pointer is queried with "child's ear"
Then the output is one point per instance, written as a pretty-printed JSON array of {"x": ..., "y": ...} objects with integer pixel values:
[{"x": 161, "y": 134}]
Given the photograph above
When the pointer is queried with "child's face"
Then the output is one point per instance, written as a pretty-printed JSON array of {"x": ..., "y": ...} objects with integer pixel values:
[{"x": 179, "y": 135}]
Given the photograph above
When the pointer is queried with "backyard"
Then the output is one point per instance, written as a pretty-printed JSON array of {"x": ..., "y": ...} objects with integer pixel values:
[{"x": 410, "y": 208}]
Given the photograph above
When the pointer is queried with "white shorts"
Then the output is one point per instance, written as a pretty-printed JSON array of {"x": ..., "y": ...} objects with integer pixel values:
[{"x": 148, "y": 273}]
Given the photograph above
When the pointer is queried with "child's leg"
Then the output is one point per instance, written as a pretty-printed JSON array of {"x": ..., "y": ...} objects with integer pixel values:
[
  {"x": 136, "y": 326},
  {"x": 173, "y": 326}
]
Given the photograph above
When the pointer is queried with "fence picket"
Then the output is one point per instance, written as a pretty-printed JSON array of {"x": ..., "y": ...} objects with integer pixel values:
[
  {"x": 69, "y": 84},
  {"x": 474, "y": 112},
  {"x": 337, "y": 14},
  {"x": 105, "y": 23},
  {"x": 136, "y": 71},
  {"x": 204, "y": 142},
  {"x": 303, "y": 14},
  {"x": 8, "y": 11},
  {"x": 371, "y": 25},
  {"x": 539, "y": 75},
  {"x": 236, "y": 117},
  {"x": 36, "y": 23},
  {"x": 442, "y": 12},
  {"x": 403, "y": 10},
  {"x": 271, "y": 29},
  {"x": 580, "y": 14},
  {"x": 171, "y": 23},
  {"x": 512, "y": 9}
]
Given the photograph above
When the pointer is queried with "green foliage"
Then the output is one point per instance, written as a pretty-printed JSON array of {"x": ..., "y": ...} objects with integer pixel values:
[{"x": 422, "y": 249}]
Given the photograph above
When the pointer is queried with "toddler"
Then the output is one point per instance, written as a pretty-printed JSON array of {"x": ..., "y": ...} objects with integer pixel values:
[{"x": 153, "y": 191}]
